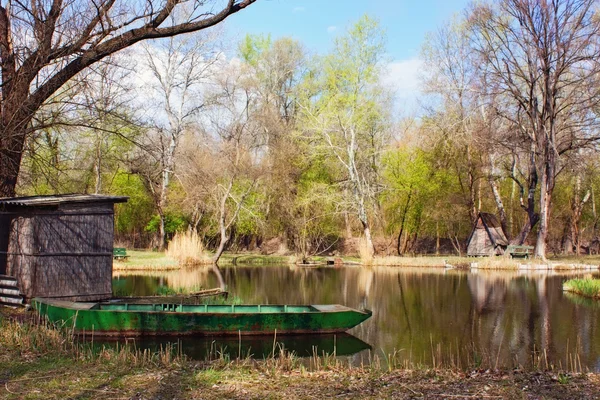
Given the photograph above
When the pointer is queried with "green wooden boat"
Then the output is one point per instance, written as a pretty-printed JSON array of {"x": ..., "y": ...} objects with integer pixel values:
[{"x": 137, "y": 319}]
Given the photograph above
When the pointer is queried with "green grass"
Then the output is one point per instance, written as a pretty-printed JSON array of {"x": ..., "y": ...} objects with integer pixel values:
[
  {"x": 583, "y": 287},
  {"x": 146, "y": 259}
]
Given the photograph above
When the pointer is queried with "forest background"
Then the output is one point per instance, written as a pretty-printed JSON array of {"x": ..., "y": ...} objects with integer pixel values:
[{"x": 279, "y": 150}]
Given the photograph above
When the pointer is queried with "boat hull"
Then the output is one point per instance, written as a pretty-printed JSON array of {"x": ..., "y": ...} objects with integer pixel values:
[{"x": 176, "y": 319}]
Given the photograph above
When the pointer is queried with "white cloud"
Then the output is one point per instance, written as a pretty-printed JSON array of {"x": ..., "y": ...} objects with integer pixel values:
[
  {"x": 298, "y": 10},
  {"x": 331, "y": 28},
  {"x": 403, "y": 78}
]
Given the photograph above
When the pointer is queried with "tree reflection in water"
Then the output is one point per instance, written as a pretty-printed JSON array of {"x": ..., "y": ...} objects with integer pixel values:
[{"x": 484, "y": 318}]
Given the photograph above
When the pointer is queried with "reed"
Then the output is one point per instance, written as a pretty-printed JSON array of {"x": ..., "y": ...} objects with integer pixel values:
[
  {"x": 37, "y": 338},
  {"x": 188, "y": 249}
]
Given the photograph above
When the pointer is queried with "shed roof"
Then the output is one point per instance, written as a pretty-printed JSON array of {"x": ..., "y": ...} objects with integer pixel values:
[
  {"x": 494, "y": 229},
  {"x": 56, "y": 200}
]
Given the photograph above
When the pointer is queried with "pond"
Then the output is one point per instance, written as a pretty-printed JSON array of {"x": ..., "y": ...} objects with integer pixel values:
[{"x": 422, "y": 316}]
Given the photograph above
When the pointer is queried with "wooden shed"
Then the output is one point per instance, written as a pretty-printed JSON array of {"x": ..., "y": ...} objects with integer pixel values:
[
  {"x": 487, "y": 237},
  {"x": 59, "y": 246}
]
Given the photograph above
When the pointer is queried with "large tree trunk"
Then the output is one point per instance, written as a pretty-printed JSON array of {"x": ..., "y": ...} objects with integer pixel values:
[
  {"x": 529, "y": 207},
  {"x": 547, "y": 186},
  {"x": 362, "y": 216},
  {"x": 545, "y": 199},
  {"x": 12, "y": 142},
  {"x": 369, "y": 240}
]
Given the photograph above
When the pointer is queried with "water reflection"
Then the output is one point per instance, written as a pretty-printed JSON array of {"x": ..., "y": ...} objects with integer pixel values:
[{"x": 499, "y": 319}]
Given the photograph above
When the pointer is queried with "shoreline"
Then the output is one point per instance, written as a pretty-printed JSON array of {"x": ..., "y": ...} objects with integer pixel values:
[
  {"x": 155, "y": 261},
  {"x": 40, "y": 362}
]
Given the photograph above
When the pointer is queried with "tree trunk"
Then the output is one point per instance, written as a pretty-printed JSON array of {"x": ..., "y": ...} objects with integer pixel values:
[
  {"x": 348, "y": 226},
  {"x": 98, "y": 166},
  {"x": 500, "y": 206},
  {"x": 369, "y": 240},
  {"x": 11, "y": 152},
  {"x": 437, "y": 238},
  {"x": 223, "y": 226},
  {"x": 547, "y": 186},
  {"x": 529, "y": 207},
  {"x": 404, "y": 212},
  {"x": 162, "y": 234},
  {"x": 221, "y": 248}
]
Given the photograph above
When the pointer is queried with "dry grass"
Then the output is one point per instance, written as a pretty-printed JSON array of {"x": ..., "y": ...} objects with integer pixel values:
[
  {"x": 42, "y": 362},
  {"x": 498, "y": 263},
  {"x": 188, "y": 249},
  {"x": 365, "y": 252}
]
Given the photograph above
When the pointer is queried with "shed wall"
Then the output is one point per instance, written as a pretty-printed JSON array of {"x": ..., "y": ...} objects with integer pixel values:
[{"x": 65, "y": 252}]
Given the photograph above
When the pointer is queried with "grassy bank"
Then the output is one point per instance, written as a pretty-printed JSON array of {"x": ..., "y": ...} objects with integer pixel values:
[
  {"x": 146, "y": 260},
  {"x": 584, "y": 287},
  {"x": 448, "y": 261},
  {"x": 39, "y": 362},
  {"x": 160, "y": 261}
]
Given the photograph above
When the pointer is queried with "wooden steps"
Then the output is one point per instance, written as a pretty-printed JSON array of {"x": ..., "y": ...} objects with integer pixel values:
[{"x": 9, "y": 292}]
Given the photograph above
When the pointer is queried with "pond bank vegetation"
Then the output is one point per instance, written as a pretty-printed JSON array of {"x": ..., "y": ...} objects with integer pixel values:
[
  {"x": 585, "y": 287},
  {"x": 40, "y": 362},
  {"x": 147, "y": 260}
]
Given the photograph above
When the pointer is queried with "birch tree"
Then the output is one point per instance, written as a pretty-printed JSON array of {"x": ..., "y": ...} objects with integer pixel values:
[{"x": 346, "y": 116}]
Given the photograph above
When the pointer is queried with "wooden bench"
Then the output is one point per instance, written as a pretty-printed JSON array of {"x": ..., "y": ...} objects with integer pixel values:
[
  {"x": 120, "y": 253},
  {"x": 519, "y": 251}
]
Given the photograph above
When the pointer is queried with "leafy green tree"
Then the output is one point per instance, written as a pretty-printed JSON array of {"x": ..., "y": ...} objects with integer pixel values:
[
  {"x": 411, "y": 185},
  {"x": 344, "y": 114}
]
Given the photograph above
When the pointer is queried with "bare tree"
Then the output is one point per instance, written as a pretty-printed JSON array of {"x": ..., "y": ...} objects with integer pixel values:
[
  {"x": 452, "y": 78},
  {"x": 82, "y": 132},
  {"x": 181, "y": 68},
  {"x": 543, "y": 58},
  {"x": 222, "y": 169},
  {"x": 43, "y": 44}
]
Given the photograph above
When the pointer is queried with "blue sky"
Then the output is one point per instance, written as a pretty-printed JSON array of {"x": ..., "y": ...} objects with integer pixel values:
[{"x": 316, "y": 22}]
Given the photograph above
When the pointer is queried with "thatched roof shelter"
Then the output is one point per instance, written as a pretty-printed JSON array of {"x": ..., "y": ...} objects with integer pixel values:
[
  {"x": 487, "y": 237},
  {"x": 59, "y": 246}
]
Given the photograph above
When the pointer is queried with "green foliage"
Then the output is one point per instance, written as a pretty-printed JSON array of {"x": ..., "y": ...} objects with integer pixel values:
[
  {"x": 174, "y": 222},
  {"x": 412, "y": 184},
  {"x": 252, "y": 48},
  {"x": 135, "y": 214},
  {"x": 252, "y": 213},
  {"x": 349, "y": 94}
]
